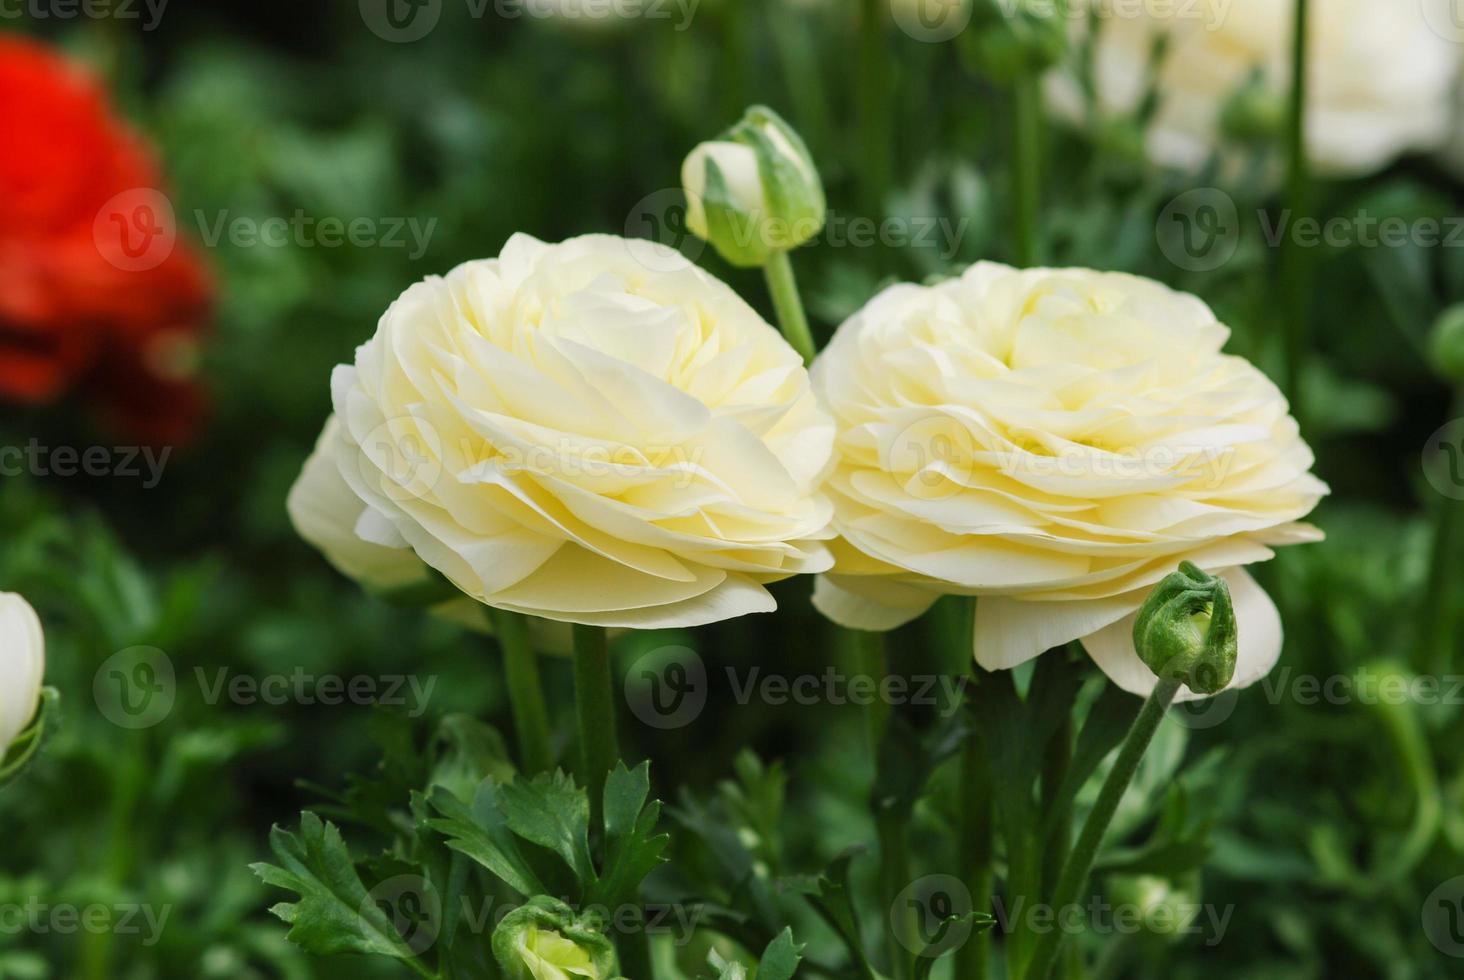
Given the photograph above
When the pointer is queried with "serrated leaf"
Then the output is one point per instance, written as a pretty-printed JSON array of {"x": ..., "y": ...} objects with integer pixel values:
[
  {"x": 482, "y": 834},
  {"x": 554, "y": 813},
  {"x": 335, "y": 913},
  {"x": 633, "y": 848}
]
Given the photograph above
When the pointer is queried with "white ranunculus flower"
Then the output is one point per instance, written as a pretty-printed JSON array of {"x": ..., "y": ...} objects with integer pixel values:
[
  {"x": 593, "y": 432},
  {"x": 1380, "y": 75},
  {"x": 1056, "y": 442},
  {"x": 22, "y": 666}
]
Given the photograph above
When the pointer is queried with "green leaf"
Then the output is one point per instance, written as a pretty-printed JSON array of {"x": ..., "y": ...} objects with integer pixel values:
[
  {"x": 780, "y": 960},
  {"x": 633, "y": 849},
  {"x": 467, "y": 752},
  {"x": 482, "y": 834},
  {"x": 830, "y": 896},
  {"x": 554, "y": 813},
  {"x": 335, "y": 913}
]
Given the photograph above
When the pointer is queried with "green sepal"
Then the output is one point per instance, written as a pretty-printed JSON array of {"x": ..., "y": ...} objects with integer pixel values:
[
  {"x": 1186, "y": 630},
  {"x": 27, "y": 745},
  {"x": 543, "y": 913}
]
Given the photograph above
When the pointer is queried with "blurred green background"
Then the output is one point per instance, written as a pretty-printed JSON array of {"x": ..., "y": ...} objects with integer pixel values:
[{"x": 1326, "y": 825}]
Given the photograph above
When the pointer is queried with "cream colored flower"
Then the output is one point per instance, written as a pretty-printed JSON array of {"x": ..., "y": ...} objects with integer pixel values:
[
  {"x": 1380, "y": 82},
  {"x": 22, "y": 666},
  {"x": 593, "y": 432},
  {"x": 1054, "y": 441}
]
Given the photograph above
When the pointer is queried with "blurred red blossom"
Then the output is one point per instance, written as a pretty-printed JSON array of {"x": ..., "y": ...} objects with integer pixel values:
[{"x": 97, "y": 293}]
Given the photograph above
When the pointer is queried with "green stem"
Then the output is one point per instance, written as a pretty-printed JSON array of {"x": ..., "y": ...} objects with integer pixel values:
[
  {"x": 525, "y": 690},
  {"x": 1296, "y": 267},
  {"x": 1085, "y": 851},
  {"x": 635, "y": 954},
  {"x": 871, "y": 661},
  {"x": 874, "y": 95},
  {"x": 594, "y": 699},
  {"x": 1436, "y": 629},
  {"x": 1055, "y": 762},
  {"x": 789, "y": 306},
  {"x": 1026, "y": 166},
  {"x": 890, "y": 826},
  {"x": 973, "y": 960}
]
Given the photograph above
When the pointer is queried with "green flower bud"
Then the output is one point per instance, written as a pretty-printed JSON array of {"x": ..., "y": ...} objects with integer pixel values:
[
  {"x": 1186, "y": 630},
  {"x": 543, "y": 940},
  {"x": 1446, "y": 346},
  {"x": 754, "y": 191},
  {"x": 1255, "y": 113},
  {"x": 1012, "y": 38}
]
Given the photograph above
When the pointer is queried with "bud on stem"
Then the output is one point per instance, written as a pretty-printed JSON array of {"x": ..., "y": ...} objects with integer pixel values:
[{"x": 1186, "y": 630}]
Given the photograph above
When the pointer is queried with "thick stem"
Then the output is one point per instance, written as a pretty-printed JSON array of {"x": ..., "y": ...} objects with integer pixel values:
[
  {"x": 874, "y": 94},
  {"x": 1296, "y": 266},
  {"x": 1085, "y": 851},
  {"x": 789, "y": 306},
  {"x": 894, "y": 846},
  {"x": 525, "y": 690},
  {"x": 1026, "y": 166},
  {"x": 635, "y": 954},
  {"x": 871, "y": 661},
  {"x": 973, "y": 960},
  {"x": 594, "y": 699}
]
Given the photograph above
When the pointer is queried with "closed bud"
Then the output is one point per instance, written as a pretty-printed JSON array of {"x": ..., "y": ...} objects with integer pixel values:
[
  {"x": 1013, "y": 38},
  {"x": 1446, "y": 346},
  {"x": 1186, "y": 630},
  {"x": 754, "y": 191},
  {"x": 543, "y": 940},
  {"x": 1255, "y": 113},
  {"x": 22, "y": 666}
]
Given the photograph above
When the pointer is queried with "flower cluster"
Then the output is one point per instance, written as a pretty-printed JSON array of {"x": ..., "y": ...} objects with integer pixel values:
[
  {"x": 95, "y": 291},
  {"x": 1054, "y": 441}
]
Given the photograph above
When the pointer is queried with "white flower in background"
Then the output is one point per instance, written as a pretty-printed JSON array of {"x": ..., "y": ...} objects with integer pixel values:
[
  {"x": 1380, "y": 82},
  {"x": 1056, "y": 442},
  {"x": 572, "y": 432},
  {"x": 22, "y": 666}
]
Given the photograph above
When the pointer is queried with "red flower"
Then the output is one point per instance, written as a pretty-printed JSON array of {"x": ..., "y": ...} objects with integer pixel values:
[{"x": 97, "y": 292}]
